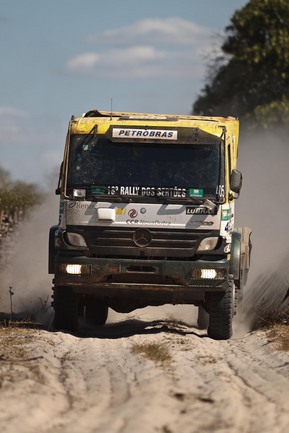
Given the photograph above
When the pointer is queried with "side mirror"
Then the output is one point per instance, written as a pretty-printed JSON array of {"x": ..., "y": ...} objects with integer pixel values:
[{"x": 236, "y": 180}]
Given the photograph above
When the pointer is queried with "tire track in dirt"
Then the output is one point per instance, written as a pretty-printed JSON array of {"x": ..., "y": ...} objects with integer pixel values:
[
  {"x": 100, "y": 383},
  {"x": 263, "y": 379}
]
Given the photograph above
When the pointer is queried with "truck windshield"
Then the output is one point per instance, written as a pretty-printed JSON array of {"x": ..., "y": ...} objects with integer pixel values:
[{"x": 149, "y": 170}]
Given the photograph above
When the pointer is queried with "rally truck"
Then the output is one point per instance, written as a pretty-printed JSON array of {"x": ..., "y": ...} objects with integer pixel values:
[{"x": 146, "y": 218}]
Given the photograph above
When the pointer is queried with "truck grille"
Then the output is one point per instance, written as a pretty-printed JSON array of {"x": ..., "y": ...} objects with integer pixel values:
[{"x": 141, "y": 242}]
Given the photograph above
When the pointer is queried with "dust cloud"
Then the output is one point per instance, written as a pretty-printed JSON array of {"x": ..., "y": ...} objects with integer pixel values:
[
  {"x": 27, "y": 271},
  {"x": 179, "y": 313},
  {"x": 264, "y": 207}
]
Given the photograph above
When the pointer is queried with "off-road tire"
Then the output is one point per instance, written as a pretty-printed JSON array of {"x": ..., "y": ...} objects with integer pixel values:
[
  {"x": 96, "y": 313},
  {"x": 221, "y": 312},
  {"x": 65, "y": 308},
  {"x": 203, "y": 317}
]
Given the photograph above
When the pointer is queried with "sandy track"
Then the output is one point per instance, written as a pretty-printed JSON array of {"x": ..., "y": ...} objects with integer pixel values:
[{"x": 111, "y": 381}]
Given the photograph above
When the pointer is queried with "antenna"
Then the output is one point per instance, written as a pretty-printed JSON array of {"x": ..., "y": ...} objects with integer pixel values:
[{"x": 110, "y": 108}]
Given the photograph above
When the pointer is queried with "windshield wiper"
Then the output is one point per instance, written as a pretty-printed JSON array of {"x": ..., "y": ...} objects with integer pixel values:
[
  {"x": 209, "y": 204},
  {"x": 111, "y": 197},
  {"x": 86, "y": 140},
  {"x": 193, "y": 200}
]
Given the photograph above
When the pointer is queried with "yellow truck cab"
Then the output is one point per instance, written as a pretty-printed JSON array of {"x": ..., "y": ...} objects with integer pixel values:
[{"x": 146, "y": 217}]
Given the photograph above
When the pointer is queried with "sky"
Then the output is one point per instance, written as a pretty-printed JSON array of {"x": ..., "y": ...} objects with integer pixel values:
[{"x": 65, "y": 57}]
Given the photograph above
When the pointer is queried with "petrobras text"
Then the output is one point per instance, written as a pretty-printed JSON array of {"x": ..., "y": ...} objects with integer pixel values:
[{"x": 154, "y": 134}]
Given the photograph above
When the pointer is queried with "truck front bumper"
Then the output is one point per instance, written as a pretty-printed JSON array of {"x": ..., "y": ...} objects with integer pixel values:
[{"x": 176, "y": 281}]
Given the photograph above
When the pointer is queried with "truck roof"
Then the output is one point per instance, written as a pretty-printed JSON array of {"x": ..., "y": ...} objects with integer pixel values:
[
  {"x": 105, "y": 119},
  {"x": 154, "y": 116}
]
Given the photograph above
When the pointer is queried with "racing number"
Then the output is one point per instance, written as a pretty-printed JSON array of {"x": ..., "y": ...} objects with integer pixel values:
[{"x": 220, "y": 191}]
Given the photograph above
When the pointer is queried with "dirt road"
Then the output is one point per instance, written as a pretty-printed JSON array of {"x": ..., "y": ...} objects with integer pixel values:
[{"x": 141, "y": 375}]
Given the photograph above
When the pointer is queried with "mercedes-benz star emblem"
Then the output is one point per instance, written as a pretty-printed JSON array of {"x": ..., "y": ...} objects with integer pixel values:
[{"x": 142, "y": 237}]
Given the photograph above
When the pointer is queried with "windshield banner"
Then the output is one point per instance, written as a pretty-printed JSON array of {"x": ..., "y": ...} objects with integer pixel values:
[{"x": 147, "y": 191}]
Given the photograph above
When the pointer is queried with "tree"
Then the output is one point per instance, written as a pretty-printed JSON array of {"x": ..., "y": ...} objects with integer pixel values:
[
  {"x": 15, "y": 199},
  {"x": 4, "y": 177},
  {"x": 252, "y": 80}
]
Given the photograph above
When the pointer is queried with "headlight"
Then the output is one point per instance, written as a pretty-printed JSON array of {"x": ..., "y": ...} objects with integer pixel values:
[
  {"x": 76, "y": 239},
  {"x": 79, "y": 193},
  {"x": 208, "y": 244}
]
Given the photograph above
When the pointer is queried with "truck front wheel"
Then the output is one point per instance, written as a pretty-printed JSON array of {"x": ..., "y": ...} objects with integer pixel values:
[
  {"x": 65, "y": 308},
  {"x": 96, "y": 313},
  {"x": 203, "y": 317},
  {"x": 221, "y": 312}
]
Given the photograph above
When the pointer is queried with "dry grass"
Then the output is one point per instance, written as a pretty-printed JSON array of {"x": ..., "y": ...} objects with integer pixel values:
[
  {"x": 153, "y": 351},
  {"x": 17, "y": 360},
  {"x": 13, "y": 340},
  {"x": 15, "y": 336},
  {"x": 275, "y": 321},
  {"x": 276, "y": 325},
  {"x": 279, "y": 334}
]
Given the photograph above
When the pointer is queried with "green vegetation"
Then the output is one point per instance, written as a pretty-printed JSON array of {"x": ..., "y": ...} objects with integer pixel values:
[
  {"x": 16, "y": 198},
  {"x": 250, "y": 80}
]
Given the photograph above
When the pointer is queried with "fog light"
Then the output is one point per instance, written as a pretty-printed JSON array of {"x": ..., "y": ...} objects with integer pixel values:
[
  {"x": 209, "y": 274},
  {"x": 206, "y": 274},
  {"x": 65, "y": 268},
  {"x": 73, "y": 269}
]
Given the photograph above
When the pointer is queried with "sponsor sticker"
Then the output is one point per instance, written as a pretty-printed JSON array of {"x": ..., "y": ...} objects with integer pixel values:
[
  {"x": 98, "y": 190},
  {"x": 149, "y": 223},
  {"x": 132, "y": 213},
  {"x": 61, "y": 207},
  {"x": 226, "y": 214},
  {"x": 196, "y": 192},
  {"x": 193, "y": 210},
  {"x": 80, "y": 205},
  {"x": 152, "y": 134}
]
